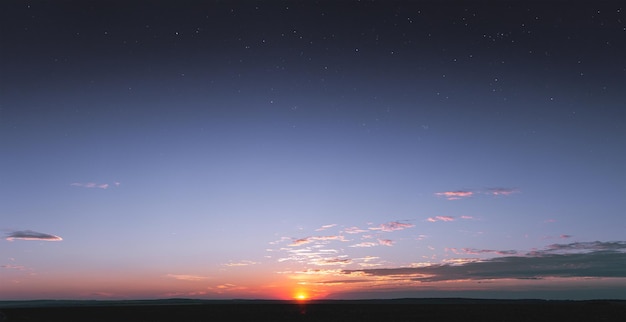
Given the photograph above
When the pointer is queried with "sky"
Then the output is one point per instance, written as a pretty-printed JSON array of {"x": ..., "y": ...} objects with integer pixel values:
[{"x": 332, "y": 149}]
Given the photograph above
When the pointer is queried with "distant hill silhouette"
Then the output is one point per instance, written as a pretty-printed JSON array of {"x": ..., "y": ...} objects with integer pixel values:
[{"x": 405, "y": 309}]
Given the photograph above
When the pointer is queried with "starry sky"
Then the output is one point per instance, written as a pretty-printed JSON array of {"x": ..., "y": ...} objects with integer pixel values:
[{"x": 332, "y": 149}]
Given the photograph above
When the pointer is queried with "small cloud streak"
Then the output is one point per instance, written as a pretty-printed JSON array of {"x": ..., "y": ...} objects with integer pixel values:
[
  {"x": 454, "y": 195},
  {"x": 384, "y": 242},
  {"x": 93, "y": 185},
  {"x": 364, "y": 244},
  {"x": 326, "y": 227},
  {"x": 308, "y": 240},
  {"x": 354, "y": 230},
  {"x": 16, "y": 267},
  {"x": 240, "y": 263},
  {"x": 440, "y": 218},
  {"x": 460, "y": 194},
  {"x": 32, "y": 235},
  {"x": 392, "y": 226},
  {"x": 475, "y": 251},
  {"x": 184, "y": 277},
  {"x": 501, "y": 191}
]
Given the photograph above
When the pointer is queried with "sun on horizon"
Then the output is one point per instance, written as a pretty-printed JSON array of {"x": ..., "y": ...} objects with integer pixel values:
[{"x": 301, "y": 296}]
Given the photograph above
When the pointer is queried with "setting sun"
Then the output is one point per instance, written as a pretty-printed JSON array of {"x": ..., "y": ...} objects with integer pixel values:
[{"x": 301, "y": 296}]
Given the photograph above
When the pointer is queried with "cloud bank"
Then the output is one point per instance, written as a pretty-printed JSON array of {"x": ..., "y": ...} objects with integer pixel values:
[
  {"x": 592, "y": 259},
  {"x": 31, "y": 235}
]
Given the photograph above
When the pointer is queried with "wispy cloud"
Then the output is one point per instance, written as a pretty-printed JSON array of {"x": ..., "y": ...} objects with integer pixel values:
[
  {"x": 440, "y": 218},
  {"x": 94, "y": 185},
  {"x": 281, "y": 240},
  {"x": 365, "y": 244},
  {"x": 331, "y": 261},
  {"x": 354, "y": 230},
  {"x": 475, "y": 251},
  {"x": 184, "y": 277},
  {"x": 454, "y": 195},
  {"x": 460, "y": 194},
  {"x": 240, "y": 263},
  {"x": 384, "y": 242},
  {"x": 16, "y": 267},
  {"x": 31, "y": 235},
  {"x": 392, "y": 226},
  {"x": 326, "y": 227},
  {"x": 600, "y": 259},
  {"x": 308, "y": 240},
  {"x": 501, "y": 191}
]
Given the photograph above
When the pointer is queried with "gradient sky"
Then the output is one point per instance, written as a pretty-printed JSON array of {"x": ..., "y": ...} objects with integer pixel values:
[{"x": 335, "y": 149}]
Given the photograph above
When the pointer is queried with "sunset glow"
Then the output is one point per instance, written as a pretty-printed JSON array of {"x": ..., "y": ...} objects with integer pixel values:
[{"x": 300, "y": 150}]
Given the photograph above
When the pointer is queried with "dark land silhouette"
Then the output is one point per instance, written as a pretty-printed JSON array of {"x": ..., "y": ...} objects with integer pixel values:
[{"x": 321, "y": 310}]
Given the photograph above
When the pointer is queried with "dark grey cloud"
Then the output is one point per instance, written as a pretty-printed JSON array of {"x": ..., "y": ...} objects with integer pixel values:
[
  {"x": 587, "y": 246},
  {"x": 475, "y": 251},
  {"x": 32, "y": 235},
  {"x": 604, "y": 259}
]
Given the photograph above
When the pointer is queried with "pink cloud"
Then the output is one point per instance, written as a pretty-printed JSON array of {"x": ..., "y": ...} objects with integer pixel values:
[
  {"x": 440, "y": 218},
  {"x": 307, "y": 240},
  {"x": 386, "y": 242},
  {"x": 454, "y": 195},
  {"x": 392, "y": 226}
]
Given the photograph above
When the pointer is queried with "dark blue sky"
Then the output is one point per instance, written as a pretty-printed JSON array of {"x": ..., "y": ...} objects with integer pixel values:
[{"x": 250, "y": 149}]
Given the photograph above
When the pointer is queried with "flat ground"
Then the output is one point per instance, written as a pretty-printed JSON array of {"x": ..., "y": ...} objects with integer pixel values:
[{"x": 587, "y": 311}]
